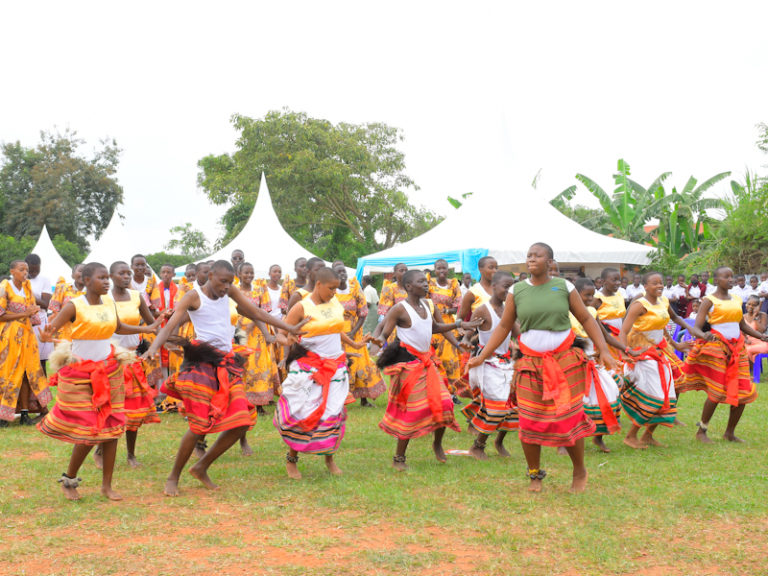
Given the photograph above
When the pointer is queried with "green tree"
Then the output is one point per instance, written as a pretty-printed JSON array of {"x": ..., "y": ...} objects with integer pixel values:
[
  {"x": 68, "y": 250},
  {"x": 329, "y": 182},
  {"x": 54, "y": 184},
  {"x": 190, "y": 243},
  {"x": 593, "y": 218},
  {"x": 158, "y": 259},
  {"x": 12, "y": 248}
]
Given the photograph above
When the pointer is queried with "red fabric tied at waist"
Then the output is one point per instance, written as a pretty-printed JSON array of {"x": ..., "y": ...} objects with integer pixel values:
[
  {"x": 661, "y": 360},
  {"x": 732, "y": 368},
  {"x": 97, "y": 372},
  {"x": 602, "y": 401},
  {"x": 555, "y": 383},
  {"x": 428, "y": 361},
  {"x": 324, "y": 368},
  {"x": 135, "y": 370}
]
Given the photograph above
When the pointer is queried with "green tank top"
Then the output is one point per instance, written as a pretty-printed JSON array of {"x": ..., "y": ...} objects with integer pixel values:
[{"x": 542, "y": 307}]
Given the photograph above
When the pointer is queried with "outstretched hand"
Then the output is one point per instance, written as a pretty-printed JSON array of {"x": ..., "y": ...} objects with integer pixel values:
[
  {"x": 471, "y": 324},
  {"x": 609, "y": 362}
]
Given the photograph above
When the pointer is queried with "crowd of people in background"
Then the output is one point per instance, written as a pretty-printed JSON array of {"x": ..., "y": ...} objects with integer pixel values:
[{"x": 555, "y": 358}]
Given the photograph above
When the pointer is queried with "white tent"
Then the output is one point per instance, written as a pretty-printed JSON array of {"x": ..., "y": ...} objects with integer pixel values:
[
  {"x": 52, "y": 265},
  {"x": 506, "y": 225},
  {"x": 112, "y": 245},
  {"x": 263, "y": 240}
]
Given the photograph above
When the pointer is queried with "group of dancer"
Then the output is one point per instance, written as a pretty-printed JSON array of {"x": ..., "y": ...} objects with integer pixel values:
[{"x": 556, "y": 361}]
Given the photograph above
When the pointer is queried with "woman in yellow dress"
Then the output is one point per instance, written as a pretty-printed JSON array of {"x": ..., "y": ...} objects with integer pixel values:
[
  {"x": 365, "y": 380},
  {"x": 21, "y": 375},
  {"x": 446, "y": 296},
  {"x": 63, "y": 293}
]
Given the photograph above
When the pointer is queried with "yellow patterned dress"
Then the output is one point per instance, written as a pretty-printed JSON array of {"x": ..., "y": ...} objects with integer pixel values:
[
  {"x": 61, "y": 295},
  {"x": 391, "y": 294},
  {"x": 364, "y": 378},
  {"x": 260, "y": 375},
  {"x": 445, "y": 298},
  {"x": 19, "y": 357}
]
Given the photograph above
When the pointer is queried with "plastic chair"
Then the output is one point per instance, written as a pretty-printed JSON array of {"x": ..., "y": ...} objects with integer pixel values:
[
  {"x": 757, "y": 370},
  {"x": 685, "y": 336}
]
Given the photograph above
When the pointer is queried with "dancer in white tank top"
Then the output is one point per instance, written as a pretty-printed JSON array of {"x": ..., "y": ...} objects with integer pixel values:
[
  {"x": 491, "y": 409},
  {"x": 419, "y": 400},
  {"x": 212, "y": 405}
]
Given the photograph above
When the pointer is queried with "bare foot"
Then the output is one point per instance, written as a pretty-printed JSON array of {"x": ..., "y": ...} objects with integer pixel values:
[
  {"x": 110, "y": 494},
  {"x": 331, "y": 465},
  {"x": 561, "y": 451},
  {"x": 535, "y": 485},
  {"x": 293, "y": 470},
  {"x": 439, "y": 452},
  {"x": 399, "y": 466},
  {"x": 731, "y": 437},
  {"x": 202, "y": 475},
  {"x": 245, "y": 448},
  {"x": 633, "y": 442},
  {"x": 70, "y": 493},
  {"x": 600, "y": 443},
  {"x": 678, "y": 422},
  {"x": 579, "y": 483},
  {"x": 477, "y": 453},
  {"x": 132, "y": 462},
  {"x": 501, "y": 450},
  {"x": 171, "y": 488},
  {"x": 649, "y": 440},
  {"x": 98, "y": 459}
]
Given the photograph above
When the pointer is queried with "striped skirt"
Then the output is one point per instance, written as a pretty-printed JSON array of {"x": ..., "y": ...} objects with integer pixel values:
[
  {"x": 300, "y": 398},
  {"x": 80, "y": 416},
  {"x": 609, "y": 384},
  {"x": 492, "y": 408},
  {"x": 412, "y": 417},
  {"x": 706, "y": 369},
  {"x": 540, "y": 423},
  {"x": 209, "y": 405},
  {"x": 643, "y": 394},
  {"x": 139, "y": 398}
]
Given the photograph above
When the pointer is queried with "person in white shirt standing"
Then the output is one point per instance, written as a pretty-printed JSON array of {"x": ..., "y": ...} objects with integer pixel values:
[
  {"x": 636, "y": 288},
  {"x": 466, "y": 284},
  {"x": 741, "y": 289},
  {"x": 372, "y": 299},
  {"x": 42, "y": 290}
]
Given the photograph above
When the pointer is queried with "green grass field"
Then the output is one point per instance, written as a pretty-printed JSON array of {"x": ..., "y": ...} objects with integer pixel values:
[{"x": 683, "y": 509}]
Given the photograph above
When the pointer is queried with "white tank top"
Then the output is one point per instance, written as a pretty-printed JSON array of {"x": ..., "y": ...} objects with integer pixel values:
[
  {"x": 419, "y": 335},
  {"x": 274, "y": 300},
  {"x": 485, "y": 335},
  {"x": 212, "y": 322}
]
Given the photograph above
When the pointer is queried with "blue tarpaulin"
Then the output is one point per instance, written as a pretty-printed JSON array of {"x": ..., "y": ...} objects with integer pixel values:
[{"x": 468, "y": 260}]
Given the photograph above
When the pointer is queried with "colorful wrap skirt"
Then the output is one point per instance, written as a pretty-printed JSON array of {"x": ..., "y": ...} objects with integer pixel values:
[
  {"x": 549, "y": 389},
  {"x": 721, "y": 369},
  {"x": 492, "y": 407},
  {"x": 602, "y": 404},
  {"x": 213, "y": 395},
  {"x": 89, "y": 405},
  {"x": 648, "y": 395},
  {"x": 311, "y": 413},
  {"x": 139, "y": 398},
  {"x": 419, "y": 400}
]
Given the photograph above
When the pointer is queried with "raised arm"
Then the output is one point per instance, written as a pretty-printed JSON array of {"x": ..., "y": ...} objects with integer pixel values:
[{"x": 247, "y": 308}]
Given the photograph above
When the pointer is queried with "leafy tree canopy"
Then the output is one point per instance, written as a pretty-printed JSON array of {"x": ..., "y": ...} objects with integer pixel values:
[
  {"x": 339, "y": 189},
  {"x": 190, "y": 242}
]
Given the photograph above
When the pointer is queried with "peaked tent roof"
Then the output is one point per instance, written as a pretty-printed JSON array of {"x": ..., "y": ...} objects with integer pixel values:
[
  {"x": 263, "y": 239},
  {"x": 52, "y": 265},
  {"x": 506, "y": 226},
  {"x": 112, "y": 245}
]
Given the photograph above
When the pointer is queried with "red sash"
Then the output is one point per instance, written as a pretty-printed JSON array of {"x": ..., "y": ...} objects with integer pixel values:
[
  {"x": 434, "y": 382},
  {"x": 732, "y": 368},
  {"x": 661, "y": 360},
  {"x": 325, "y": 368},
  {"x": 135, "y": 370},
  {"x": 602, "y": 401},
  {"x": 555, "y": 383}
]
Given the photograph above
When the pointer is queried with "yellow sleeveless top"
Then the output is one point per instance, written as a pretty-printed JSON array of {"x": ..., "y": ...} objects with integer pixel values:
[
  {"x": 612, "y": 308},
  {"x": 128, "y": 310},
  {"x": 327, "y": 318},
  {"x": 481, "y": 296},
  {"x": 576, "y": 325},
  {"x": 94, "y": 322},
  {"x": 724, "y": 311},
  {"x": 656, "y": 316}
]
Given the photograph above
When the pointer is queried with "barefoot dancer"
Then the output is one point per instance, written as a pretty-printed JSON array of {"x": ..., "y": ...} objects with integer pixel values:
[
  {"x": 719, "y": 365},
  {"x": 139, "y": 396},
  {"x": 21, "y": 375},
  {"x": 649, "y": 396},
  {"x": 91, "y": 381},
  {"x": 601, "y": 403},
  {"x": 209, "y": 382},
  {"x": 550, "y": 378},
  {"x": 492, "y": 409},
  {"x": 365, "y": 380},
  {"x": 445, "y": 294},
  {"x": 419, "y": 400}
]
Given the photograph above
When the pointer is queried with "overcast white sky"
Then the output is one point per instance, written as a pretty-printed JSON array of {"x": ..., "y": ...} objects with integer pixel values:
[{"x": 486, "y": 93}]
